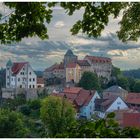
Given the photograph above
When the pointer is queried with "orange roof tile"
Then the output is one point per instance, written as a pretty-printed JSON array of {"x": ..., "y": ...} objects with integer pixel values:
[{"x": 133, "y": 98}]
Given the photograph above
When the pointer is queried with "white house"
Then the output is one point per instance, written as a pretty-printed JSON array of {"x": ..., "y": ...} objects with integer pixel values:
[
  {"x": 87, "y": 110},
  {"x": 83, "y": 100},
  {"x": 109, "y": 104},
  {"x": 20, "y": 75}
]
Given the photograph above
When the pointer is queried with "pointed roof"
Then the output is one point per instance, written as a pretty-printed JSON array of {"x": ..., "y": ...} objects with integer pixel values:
[
  {"x": 9, "y": 63},
  {"x": 69, "y": 53},
  {"x": 115, "y": 89},
  {"x": 17, "y": 66}
]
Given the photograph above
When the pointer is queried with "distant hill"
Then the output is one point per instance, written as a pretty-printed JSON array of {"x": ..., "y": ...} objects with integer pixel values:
[
  {"x": 39, "y": 73},
  {"x": 132, "y": 73}
]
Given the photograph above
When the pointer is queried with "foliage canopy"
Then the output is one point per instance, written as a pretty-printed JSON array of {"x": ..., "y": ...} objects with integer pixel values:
[{"x": 29, "y": 19}]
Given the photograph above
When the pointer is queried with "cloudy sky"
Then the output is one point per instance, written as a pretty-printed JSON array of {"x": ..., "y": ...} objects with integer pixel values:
[{"x": 42, "y": 54}]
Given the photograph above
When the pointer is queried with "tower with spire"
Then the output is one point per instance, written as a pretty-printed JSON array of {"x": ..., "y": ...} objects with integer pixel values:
[{"x": 69, "y": 57}]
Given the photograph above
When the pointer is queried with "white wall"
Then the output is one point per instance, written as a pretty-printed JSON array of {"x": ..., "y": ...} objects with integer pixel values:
[
  {"x": 32, "y": 76},
  {"x": 118, "y": 104},
  {"x": 88, "y": 110}
]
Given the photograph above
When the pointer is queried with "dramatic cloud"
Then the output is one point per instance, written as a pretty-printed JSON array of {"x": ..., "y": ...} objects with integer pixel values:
[{"x": 42, "y": 54}]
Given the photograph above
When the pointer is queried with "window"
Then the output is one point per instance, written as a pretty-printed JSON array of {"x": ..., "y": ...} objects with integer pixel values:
[
  {"x": 29, "y": 86},
  {"x": 118, "y": 108},
  {"x": 8, "y": 77},
  {"x": 18, "y": 79},
  {"x": 23, "y": 73},
  {"x": 33, "y": 79},
  {"x": 118, "y": 103},
  {"x": 20, "y": 86},
  {"x": 30, "y": 73},
  {"x": 30, "y": 80},
  {"x": 33, "y": 86},
  {"x": 23, "y": 68}
]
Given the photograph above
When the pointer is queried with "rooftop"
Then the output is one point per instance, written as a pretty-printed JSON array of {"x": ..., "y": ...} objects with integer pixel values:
[
  {"x": 115, "y": 89},
  {"x": 133, "y": 98},
  {"x": 17, "y": 66},
  {"x": 83, "y": 62},
  {"x": 77, "y": 96},
  {"x": 97, "y": 59}
]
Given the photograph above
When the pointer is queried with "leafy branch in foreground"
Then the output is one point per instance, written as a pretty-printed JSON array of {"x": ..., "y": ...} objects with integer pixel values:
[{"x": 29, "y": 19}]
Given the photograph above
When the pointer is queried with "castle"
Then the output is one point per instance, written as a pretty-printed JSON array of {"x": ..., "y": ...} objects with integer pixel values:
[{"x": 71, "y": 69}]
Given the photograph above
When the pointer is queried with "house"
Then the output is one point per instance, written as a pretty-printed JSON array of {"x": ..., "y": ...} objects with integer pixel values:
[
  {"x": 102, "y": 66},
  {"x": 83, "y": 100},
  {"x": 40, "y": 82},
  {"x": 133, "y": 101},
  {"x": 73, "y": 72},
  {"x": 109, "y": 104},
  {"x": 20, "y": 75},
  {"x": 115, "y": 90}
]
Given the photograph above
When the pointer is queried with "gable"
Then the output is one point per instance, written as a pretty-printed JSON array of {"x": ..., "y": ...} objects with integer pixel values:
[{"x": 117, "y": 104}]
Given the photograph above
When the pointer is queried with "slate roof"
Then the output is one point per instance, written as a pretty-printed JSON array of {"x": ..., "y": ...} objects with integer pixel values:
[
  {"x": 115, "y": 89},
  {"x": 83, "y": 63},
  {"x": 104, "y": 103},
  {"x": 69, "y": 53}
]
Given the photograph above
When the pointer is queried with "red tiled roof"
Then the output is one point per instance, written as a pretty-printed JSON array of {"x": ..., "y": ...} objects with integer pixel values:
[
  {"x": 84, "y": 97},
  {"x": 75, "y": 90},
  {"x": 96, "y": 59},
  {"x": 77, "y": 96},
  {"x": 71, "y": 65},
  {"x": 131, "y": 119},
  {"x": 55, "y": 67},
  {"x": 40, "y": 80},
  {"x": 17, "y": 67},
  {"x": 133, "y": 98}
]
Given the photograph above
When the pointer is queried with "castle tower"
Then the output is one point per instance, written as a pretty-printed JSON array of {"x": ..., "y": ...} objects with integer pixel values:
[{"x": 69, "y": 57}]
